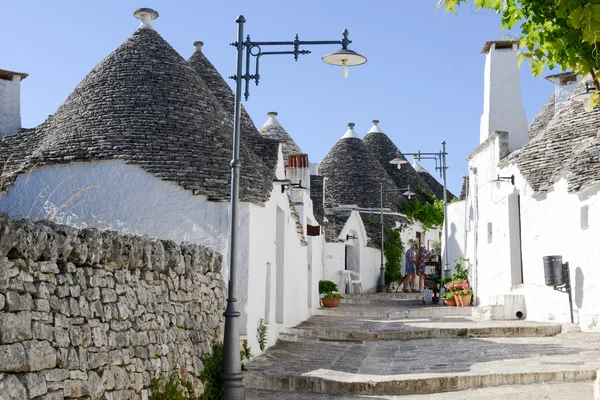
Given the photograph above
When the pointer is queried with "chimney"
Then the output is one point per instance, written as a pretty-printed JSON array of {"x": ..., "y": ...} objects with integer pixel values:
[
  {"x": 502, "y": 106},
  {"x": 564, "y": 85},
  {"x": 10, "y": 101}
]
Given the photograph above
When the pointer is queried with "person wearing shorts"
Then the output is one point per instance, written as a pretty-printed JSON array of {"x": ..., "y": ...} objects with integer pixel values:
[{"x": 409, "y": 278}]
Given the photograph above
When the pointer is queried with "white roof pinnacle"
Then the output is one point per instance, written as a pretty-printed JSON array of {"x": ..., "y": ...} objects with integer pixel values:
[
  {"x": 198, "y": 44},
  {"x": 272, "y": 121},
  {"x": 350, "y": 133},
  {"x": 418, "y": 166},
  {"x": 375, "y": 127},
  {"x": 146, "y": 15}
]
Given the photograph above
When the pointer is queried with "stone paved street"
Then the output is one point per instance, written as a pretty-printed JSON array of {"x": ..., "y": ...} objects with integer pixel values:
[{"x": 342, "y": 352}]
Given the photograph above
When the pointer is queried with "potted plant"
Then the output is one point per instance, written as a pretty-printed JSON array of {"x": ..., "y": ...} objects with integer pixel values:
[
  {"x": 449, "y": 298},
  {"x": 329, "y": 298},
  {"x": 465, "y": 294}
]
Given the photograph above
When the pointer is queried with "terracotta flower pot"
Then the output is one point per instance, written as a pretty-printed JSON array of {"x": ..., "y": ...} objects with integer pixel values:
[
  {"x": 466, "y": 300},
  {"x": 450, "y": 302},
  {"x": 457, "y": 300},
  {"x": 331, "y": 303}
]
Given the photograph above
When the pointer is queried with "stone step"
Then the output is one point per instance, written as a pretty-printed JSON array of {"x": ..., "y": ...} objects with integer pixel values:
[
  {"x": 412, "y": 311},
  {"x": 426, "y": 333},
  {"x": 385, "y": 296},
  {"x": 381, "y": 302},
  {"x": 424, "y": 366},
  {"x": 545, "y": 390},
  {"x": 323, "y": 381}
]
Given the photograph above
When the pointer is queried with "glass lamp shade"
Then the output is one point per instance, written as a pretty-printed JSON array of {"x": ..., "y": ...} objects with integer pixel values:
[
  {"x": 409, "y": 194},
  {"x": 345, "y": 57}
]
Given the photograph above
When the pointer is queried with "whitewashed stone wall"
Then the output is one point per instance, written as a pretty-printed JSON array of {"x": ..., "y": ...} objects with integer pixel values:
[{"x": 97, "y": 314}]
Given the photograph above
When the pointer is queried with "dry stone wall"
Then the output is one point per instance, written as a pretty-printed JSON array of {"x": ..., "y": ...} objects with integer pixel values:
[{"x": 97, "y": 314}]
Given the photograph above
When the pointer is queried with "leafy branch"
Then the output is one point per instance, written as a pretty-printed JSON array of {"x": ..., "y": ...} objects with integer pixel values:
[
  {"x": 430, "y": 212},
  {"x": 553, "y": 32}
]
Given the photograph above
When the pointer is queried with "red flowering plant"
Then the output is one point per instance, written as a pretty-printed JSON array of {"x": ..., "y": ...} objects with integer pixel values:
[{"x": 460, "y": 287}]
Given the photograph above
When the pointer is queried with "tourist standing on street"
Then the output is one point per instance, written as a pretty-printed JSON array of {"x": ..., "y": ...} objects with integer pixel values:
[
  {"x": 421, "y": 266},
  {"x": 411, "y": 260}
]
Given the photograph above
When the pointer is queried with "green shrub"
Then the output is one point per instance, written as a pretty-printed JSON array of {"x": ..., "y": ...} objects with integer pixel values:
[
  {"x": 326, "y": 287},
  {"x": 261, "y": 334},
  {"x": 211, "y": 374},
  {"x": 172, "y": 387}
]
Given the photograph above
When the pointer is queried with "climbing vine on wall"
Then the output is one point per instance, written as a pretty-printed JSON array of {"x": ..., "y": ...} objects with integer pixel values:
[
  {"x": 393, "y": 250},
  {"x": 429, "y": 212}
]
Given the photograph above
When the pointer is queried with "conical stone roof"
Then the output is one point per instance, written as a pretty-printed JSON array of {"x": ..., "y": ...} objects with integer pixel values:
[
  {"x": 265, "y": 149},
  {"x": 543, "y": 118},
  {"x": 436, "y": 187},
  {"x": 144, "y": 104},
  {"x": 384, "y": 150},
  {"x": 354, "y": 175},
  {"x": 273, "y": 130},
  {"x": 569, "y": 145}
]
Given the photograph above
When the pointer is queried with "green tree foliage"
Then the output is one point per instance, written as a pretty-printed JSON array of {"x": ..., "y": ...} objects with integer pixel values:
[
  {"x": 564, "y": 33},
  {"x": 430, "y": 212}
]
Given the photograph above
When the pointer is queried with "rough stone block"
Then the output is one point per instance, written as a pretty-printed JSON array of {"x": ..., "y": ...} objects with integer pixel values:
[
  {"x": 58, "y": 395},
  {"x": 12, "y": 389},
  {"x": 40, "y": 355},
  {"x": 56, "y": 375},
  {"x": 76, "y": 388},
  {"x": 42, "y": 331},
  {"x": 12, "y": 358},
  {"x": 48, "y": 267},
  {"x": 96, "y": 386},
  {"x": 34, "y": 383},
  {"x": 18, "y": 302},
  {"x": 2, "y": 301},
  {"x": 15, "y": 327}
]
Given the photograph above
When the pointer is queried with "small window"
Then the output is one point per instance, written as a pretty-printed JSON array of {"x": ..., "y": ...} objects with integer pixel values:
[
  {"x": 584, "y": 217},
  {"x": 489, "y": 229}
]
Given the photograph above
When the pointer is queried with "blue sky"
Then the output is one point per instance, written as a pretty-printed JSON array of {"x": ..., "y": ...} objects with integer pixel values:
[{"x": 423, "y": 79}]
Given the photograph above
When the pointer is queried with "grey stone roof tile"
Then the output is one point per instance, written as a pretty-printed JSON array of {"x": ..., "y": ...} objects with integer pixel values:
[
  {"x": 265, "y": 149},
  {"x": 143, "y": 104},
  {"x": 384, "y": 150},
  {"x": 568, "y": 145},
  {"x": 273, "y": 130},
  {"x": 542, "y": 119},
  {"x": 354, "y": 176}
]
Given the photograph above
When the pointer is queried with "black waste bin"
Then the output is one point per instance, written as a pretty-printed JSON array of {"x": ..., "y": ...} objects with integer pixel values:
[{"x": 553, "y": 271}]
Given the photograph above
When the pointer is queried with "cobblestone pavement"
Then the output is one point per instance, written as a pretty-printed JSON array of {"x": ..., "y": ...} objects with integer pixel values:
[
  {"x": 562, "y": 391},
  {"x": 412, "y": 358}
]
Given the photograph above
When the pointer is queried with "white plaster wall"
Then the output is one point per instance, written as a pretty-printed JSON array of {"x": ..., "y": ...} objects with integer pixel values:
[
  {"x": 550, "y": 225},
  {"x": 10, "y": 106},
  {"x": 303, "y": 264},
  {"x": 117, "y": 196},
  {"x": 457, "y": 233},
  {"x": 502, "y": 107}
]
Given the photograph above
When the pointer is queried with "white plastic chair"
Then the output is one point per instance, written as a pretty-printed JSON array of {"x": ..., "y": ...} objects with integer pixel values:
[{"x": 352, "y": 278}]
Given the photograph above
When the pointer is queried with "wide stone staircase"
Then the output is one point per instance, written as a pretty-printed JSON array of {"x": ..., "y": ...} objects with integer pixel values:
[{"x": 392, "y": 345}]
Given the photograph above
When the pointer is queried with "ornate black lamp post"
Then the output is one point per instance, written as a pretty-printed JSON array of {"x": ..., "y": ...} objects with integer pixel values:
[{"x": 231, "y": 374}]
